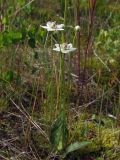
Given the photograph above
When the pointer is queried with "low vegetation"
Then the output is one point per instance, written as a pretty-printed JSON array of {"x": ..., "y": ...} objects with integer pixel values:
[{"x": 59, "y": 80}]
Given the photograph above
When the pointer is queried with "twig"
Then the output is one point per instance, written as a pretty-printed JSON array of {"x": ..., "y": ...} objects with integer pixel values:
[
  {"x": 101, "y": 60},
  {"x": 30, "y": 119},
  {"x": 4, "y": 158}
]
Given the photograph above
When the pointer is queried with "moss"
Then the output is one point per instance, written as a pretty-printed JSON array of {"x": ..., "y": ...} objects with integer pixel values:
[
  {"x": 101, "y": 137},
  {"x": 109, "y": 138}
]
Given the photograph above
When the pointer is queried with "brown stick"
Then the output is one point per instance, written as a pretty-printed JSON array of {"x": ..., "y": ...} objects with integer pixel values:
[
  {"x": 89, "y": 40},
  {"x": 78, "y": 38}
]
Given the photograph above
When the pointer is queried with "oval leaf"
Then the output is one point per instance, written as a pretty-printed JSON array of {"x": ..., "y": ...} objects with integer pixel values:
[
  {"x": 76, "y": 146},
  {"x": 59, "y": 133}
]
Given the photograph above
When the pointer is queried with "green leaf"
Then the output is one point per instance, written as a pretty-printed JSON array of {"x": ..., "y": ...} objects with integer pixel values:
[
  {"x": 24, "y": 33},
  {"x": 59, "y": 133},
  {"x": 4, "y": 21},
  {"x": 76, "y": 146},
  {"x": 31, "y": 42},
  {"x": 1, "y": 40},
  {"x": 11, "y": 37},
  {"x": 6, "y": 39},
  {"x": 9, "y": 76},
  {"x": 21, "y": 2},
  {"x": 16, "y": 36},
  {"x": 41, "y": 36}
]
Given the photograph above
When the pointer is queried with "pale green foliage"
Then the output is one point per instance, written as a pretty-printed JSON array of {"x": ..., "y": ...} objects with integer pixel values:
[
  {"x": 108, "y": 41},
  {"x": 76, "y": 146}
]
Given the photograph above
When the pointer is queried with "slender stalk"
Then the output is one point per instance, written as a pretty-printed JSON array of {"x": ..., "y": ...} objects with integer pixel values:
[
  {"x": 65, "y": 13},
  {"x": 61, "y": 81},
  {"x": 65, "y": 20},
  {"x": 56, "y": 78},
  {"x": 46, "y": 39},
  {"x": 78, "y": 38},
  {"x": 92, "y": 4},
  {"x": 52, "y": 105}
]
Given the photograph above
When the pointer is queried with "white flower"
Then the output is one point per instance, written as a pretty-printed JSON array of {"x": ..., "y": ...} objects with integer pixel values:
[
  {"x": 77, "y": 28},
  {"x": 64, "y": 48},
  {"x": 112, "y": 116},
  {"x": 52, "y": 26}
]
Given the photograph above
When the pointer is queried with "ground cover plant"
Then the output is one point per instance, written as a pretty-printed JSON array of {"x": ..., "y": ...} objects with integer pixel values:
[{"x": 59, "y": 80}]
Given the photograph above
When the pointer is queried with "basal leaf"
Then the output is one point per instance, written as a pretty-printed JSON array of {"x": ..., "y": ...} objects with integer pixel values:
[
  {"x": 59, "y": 133},
  {"x": 76, "y": 146}
]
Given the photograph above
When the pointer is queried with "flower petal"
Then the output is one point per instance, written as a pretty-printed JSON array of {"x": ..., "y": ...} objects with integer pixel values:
[
  {"x": 69, "y": 46},
  {"x": 60, "y": 26}
]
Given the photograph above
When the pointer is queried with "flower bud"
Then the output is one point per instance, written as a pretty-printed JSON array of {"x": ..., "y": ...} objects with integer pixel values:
[
  {"x": 77, "y": 28},
  {"x": 112, "y": 61}
]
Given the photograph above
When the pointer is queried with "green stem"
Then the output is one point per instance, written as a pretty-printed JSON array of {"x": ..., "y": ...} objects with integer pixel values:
[
  {"x": 65, "y": 20},
  {"x": 65, "y": 13},
  {"x": 62, "y": 81},
  {"x": 46, "y": 39}
]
